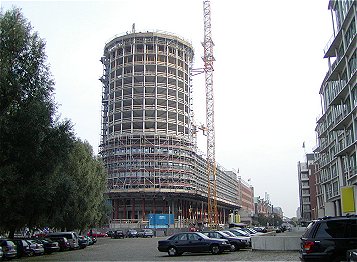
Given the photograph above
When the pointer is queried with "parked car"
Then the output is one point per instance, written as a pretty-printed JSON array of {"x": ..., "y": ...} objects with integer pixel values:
[
  {"x": 260, "y": 229},
  {"x": 89, "y": 239},
  {"x": 245, "y": 238},
  {"x": 38, "y": 233},
  {"x": 96, "y": 234},
  {"x": 62, "y": 242},
  {"x": 329, "y": 238},
  {"x": 118, "y": 234},
  {"x": 192, "y": 242},
  {"x": 23, "y": 248},
  {"x": 1, "y": 253},
  {"x": 110, "y": 233},
  {"x": 235, "y": 242},
  {"x": 239, "y": 232},
  {"x": 35, "y": 247},
  {"x": 146, "y": 233},
  {"x": 131, "y": 233},
  {"x": 351, "y": 255},
  {"x": 71, "y": 236},
  {"x": 83, "y": 242},
  {"x": 9, "y": 248},
  {"x": 94, "y": 240},
  {"x": 49, "y": 245},
  {"x": 251, "y": 231}
]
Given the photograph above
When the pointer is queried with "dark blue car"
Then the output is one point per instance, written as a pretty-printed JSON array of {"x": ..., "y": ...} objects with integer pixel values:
[{"x": 192, "y": 242}]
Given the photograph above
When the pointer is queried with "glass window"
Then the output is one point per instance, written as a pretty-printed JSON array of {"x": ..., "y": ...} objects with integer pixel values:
[
  {"x": 193, "y": 236},
  {"x": 331, "y": 229},
  {"x": 352, "y": 229},
  {"x": 183, "y": 237}
]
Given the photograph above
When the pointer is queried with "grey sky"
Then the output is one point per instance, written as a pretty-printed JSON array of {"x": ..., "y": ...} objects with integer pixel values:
[{"x": 268, "y": 71}]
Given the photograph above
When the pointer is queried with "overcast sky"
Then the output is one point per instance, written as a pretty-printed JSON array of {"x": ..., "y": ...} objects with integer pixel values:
[{"x": 268, "y": 71}]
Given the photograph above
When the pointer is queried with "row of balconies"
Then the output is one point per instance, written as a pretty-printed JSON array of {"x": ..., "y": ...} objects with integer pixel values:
[
  {"x": 339, "y": 122},
  {"x": 149, "y": 67},
  {"x": 340, "y": 64},
  {"x": 180, "y": 99},
  {"x": 141, "y": 77},
  {"x": 150, "y": 49},
  {"x": 148, "y": 59},
  {"x": 173, "y": 108},
  {"x": 335, "y": 40},
  {"x": 133, "y": 84}
]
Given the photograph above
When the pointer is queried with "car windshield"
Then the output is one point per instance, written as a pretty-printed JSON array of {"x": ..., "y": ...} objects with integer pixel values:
[
  {"x": 252, "y": 230},
  {"x": 243, "y": 232},
  {"x": 202, "y": 235},
  {"x": 10, "y": 243},
  {"x": 223, "y": 234},
  {"x": 229, "y": 233}
]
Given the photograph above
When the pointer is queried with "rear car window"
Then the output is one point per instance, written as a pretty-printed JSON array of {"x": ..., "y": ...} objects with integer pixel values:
[
  {"x": 309, "y": 229},
  {"x": 352, "y": 228},
  {"x": 331, "y": 229}
]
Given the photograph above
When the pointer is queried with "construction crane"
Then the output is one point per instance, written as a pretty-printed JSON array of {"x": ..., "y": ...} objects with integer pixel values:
[{"x": 208, "y": 60}]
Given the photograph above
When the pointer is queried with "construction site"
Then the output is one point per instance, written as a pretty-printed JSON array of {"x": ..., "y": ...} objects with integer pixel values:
[{"x": 149, "y": 136}]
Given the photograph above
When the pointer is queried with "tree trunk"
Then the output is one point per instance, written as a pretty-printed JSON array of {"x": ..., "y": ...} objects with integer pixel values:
[{"x": 12, "y": 233}]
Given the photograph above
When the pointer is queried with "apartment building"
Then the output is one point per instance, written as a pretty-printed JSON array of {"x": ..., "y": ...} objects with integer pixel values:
[
  {"x": 336, "y": 128},
  {"x": 307, "y": 188}
]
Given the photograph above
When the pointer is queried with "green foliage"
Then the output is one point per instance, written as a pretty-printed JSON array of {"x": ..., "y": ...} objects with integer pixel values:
[
  {"x": 271, "y": 220},
  {"x": 47, "y": 177},
  {"x": 32, "y": 142},
  {"x": 83, "y": 181}
]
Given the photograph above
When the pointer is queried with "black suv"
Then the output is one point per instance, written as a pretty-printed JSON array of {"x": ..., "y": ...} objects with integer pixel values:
[
  {"x": 329, "y": 238},
  {"x": 118, "y": 234}
]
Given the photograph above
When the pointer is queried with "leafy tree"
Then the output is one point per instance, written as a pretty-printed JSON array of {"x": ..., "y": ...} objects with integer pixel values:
[
  {"x": 83, "y": 185},
  {"x": 271, "y": 219},
  {"x": 32, "y": 141}
]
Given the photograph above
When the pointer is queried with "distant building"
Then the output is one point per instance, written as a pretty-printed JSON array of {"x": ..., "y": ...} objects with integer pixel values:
[
  {"x": 262, "y": 206},
  {"x": 246, "y": 201},
  {"x": 298, "y": 213},
  {"x": 336, "y": 128},
  {"x": 307, "y": 188},
  {"x": 278, "y": 211}
]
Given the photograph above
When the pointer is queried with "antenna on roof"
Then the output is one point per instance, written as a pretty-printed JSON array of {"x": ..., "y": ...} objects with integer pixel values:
[{"x": 133, "y": 28}]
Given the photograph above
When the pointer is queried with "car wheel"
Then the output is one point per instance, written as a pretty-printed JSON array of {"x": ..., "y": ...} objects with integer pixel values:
[
  {"x": 31, "y": 253},
  {"x": 215, "y": 249},
  {"x": 172, "y": 251},
  {"x": 233, "y": 248}
]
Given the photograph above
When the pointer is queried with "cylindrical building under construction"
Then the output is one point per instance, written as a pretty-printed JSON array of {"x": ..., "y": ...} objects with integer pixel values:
[{"x": 147, "y": 142}]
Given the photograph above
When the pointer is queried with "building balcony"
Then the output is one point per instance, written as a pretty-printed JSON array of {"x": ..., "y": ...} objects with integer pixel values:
[
  {"x": 339, "y": 64},
  {"x": 321, "y": 129},
  {"x": 334, "y": 42},
  {"x": 338, "y": 92},
  {"x": 346, "y": 146},
  {"x": 324, "y": 146},
  {"x": 343, "y": 119}
]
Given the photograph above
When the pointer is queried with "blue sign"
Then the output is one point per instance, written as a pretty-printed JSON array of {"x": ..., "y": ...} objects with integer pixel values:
[{"x": 161, "y": 220}]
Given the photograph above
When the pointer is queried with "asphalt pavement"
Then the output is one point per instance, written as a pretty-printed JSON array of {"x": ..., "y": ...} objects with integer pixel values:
[{"x": 145, "y": 249}]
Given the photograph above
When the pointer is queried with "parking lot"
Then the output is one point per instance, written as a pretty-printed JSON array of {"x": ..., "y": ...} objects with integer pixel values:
[{"x": 145, "y": 249}]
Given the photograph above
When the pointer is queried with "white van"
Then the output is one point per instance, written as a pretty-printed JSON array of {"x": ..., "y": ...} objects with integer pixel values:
[{"x": 71, "y": 236}]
